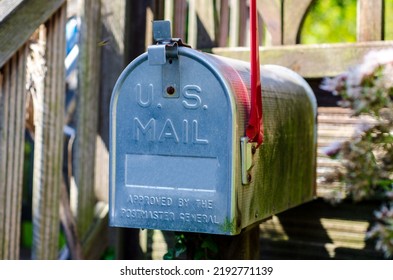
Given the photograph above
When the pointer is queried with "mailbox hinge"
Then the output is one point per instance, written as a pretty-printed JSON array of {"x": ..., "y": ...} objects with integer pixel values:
[
  {"x": 165, "y": 53},
  {"x": 247, "y": 150}
]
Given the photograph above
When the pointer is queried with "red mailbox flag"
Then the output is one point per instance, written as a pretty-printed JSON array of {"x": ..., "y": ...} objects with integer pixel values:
[{"x": 255, "y": 129}]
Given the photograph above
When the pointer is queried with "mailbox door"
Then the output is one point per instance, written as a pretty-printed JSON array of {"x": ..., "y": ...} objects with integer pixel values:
[{"x": 171, "y": 143}]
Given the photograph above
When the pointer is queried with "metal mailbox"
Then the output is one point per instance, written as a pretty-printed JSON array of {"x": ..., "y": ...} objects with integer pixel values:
[{"x": 179, "y": 160}]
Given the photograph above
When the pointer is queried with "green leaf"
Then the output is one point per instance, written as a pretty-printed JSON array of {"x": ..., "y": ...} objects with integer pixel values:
[
  {"x": 180, "y": 248},
  {"x": 169, "y": 255},
  {"x": 210, "y": 245},
  {"x": 199, "y": 255}
]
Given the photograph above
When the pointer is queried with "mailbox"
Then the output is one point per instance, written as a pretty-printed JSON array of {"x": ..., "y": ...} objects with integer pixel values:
[{"x": 179, "y": 159}]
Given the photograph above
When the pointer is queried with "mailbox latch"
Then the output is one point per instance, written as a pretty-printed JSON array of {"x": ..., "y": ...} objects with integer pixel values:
[
  {"x": 166, "y": 46},
  {"x": 165, "y": 54},
  {"x": 247, "y": 151}
]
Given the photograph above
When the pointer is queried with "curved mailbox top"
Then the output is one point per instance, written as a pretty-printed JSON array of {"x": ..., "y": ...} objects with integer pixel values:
[{"x": 175, "y": 127}]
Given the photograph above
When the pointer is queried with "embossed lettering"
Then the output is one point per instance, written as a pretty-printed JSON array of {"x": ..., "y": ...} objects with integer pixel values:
[
  {"x": 150, "y": 200},
  {"x": 183, "y": 202},
  {"x": 185, "y": 131},
  {"x": 168, "y": 132},
  {"x": 198, "y": 218},
  {"x": 147, "y": 214},
  {"x": 149, "y": 128},
  {"x": 204, "y": 203},
  {"x": 195, "y": 134},
  {"x": 147, "y": 99},
  {"x": 193, "y": 100}
]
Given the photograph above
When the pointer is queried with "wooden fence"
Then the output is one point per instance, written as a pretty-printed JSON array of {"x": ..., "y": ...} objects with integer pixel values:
[
  {"x": 34, "y": 31},
  {"x": 15, "y": 34},
  {"x": 112, "y": 34}
]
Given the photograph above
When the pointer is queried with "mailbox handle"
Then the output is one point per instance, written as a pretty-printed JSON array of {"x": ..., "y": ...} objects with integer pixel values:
[{"x": 255, "y": 130}]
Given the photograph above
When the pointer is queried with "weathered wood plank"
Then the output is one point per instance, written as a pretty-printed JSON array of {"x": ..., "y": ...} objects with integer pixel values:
[
  {"x": 69, "y": 225},
  {"x": 12, "y": 129},
  {"x": 369, "y": 20},
  {"x": 112, "y": 64},
  {"x": 97, "y": 241},
  {"x": 310, "y": 61},
  {"x": 179, "y": 19},
  {"x": 319, "y": 230},
  {"x": 294, "y": 12},
  {"x": 7, "y": 6},
  {"x": 3, "y": 159},
  {"x": 18, "y": 139},
  {"x": 14, "y": 31},
  {"x": 158, "y": 9},
  {"x": 223, "y": 28},
  {"x": 10, "y": 176},
  {"x": 334, "y": 125},
  {"x": 135, "y": 34},
  {"x": 271, "y": 12},
  {"x": 87, "y": 114},
  {"x": 149, "y": 23},
  {"x": 234, "y": 25},
  {"x": 48, "y": 152},
  {"x": 4, "y": 129},
  {"x": 168, "y": 10},
  {"x": 201, "y": 27},
  {"x": 243, "y": 23}
]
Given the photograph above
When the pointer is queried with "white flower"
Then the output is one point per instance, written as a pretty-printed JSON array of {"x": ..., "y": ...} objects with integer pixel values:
[{"x": 333, "y": 149}]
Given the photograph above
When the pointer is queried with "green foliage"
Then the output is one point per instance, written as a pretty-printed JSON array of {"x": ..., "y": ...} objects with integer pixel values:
[
  {"x": 229, "y": 226},
  {"x": 27, "y": 236},
  {"x": 330, "y": 21},
  {"x": 334, "y": 21},
  {"x": 179, "y": 248},
  {"x": 109, "y": 254},
  {"x": 388, "y": 27},
  {"x": 367, "y": 158},
  {"x": 194, "y": 245}
]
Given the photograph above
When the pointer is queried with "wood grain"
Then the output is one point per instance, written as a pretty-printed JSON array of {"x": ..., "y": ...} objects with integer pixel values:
[
  {"x": 87, "y": 115},
  {"x": 310, "y": 61},
  {"x": 14, "y": 31},
  {"x": 48, "y": 151},
  {"x": 12, "y": 131},
  {"x": 369, "y": 20}
]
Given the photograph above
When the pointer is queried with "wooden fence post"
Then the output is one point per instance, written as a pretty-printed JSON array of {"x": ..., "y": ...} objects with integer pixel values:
[
  {"x": 87, "y": 115},
  {"x": 179, "y": 18},
  {"x": 127, "y": 240},
  {"x": 201, "y": 24},
  {"x": 369, "y": 20},
  {"x": 234, "y": 23},
  {"x": 48, "y": 153},
  {"x": 12, "y": 131},
  {"x": 271, "y": 12},
  {"x": 294, "y": 12}
]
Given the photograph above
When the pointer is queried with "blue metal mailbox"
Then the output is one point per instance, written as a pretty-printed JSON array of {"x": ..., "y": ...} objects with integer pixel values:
[{"x": 178, "y": 156}]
